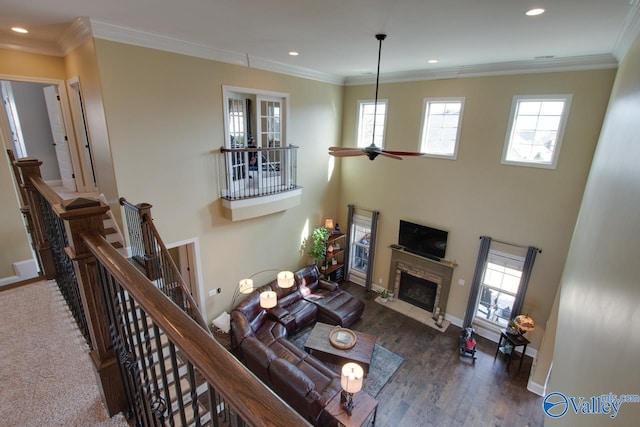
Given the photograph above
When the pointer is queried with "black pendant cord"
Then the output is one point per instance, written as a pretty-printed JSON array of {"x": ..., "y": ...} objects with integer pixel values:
[{"x": 380, "y": 37}]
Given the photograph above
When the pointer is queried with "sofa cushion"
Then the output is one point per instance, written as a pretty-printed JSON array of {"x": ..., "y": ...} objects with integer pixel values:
[
  {"x": 337, "y": 308},
  {"x": 306, "y": 279},
  {"x": 284, "y": 349},
  {"x": 304, "y": 312}
]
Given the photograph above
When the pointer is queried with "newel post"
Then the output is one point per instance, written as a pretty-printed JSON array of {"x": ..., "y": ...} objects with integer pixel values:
[
  {"x": 31, "y": 168},
  {"x": 151, "y": 256},
  {"x": 86, "y": 215}
]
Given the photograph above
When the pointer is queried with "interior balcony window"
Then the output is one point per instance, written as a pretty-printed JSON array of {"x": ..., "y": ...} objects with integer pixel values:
[{"x": 258, "y": 161}]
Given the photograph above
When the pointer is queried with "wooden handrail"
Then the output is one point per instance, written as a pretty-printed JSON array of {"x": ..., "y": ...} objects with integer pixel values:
[
  {"x": 194, "y": 312},
  {"x": 145, "y": 218},
  {"x": 249, "y": 397}
]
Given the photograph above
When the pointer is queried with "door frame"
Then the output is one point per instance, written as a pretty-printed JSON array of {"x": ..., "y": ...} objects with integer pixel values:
[
  {"x": 83, "y": 139},
  {"x": 66, "y": 117},
  {"x": 193, "y": 247}
]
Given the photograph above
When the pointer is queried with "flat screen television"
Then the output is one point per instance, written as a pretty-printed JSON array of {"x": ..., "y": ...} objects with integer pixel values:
[{"x": 422, "y": 240}]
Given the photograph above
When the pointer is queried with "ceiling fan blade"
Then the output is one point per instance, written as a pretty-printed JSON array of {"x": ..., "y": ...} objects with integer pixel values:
[
  {"x": 350, "y": 153},
  {"x": 344, "y": 149},
  {"x": 387, "y": 154},
  {"x": 403, "y": 153}
]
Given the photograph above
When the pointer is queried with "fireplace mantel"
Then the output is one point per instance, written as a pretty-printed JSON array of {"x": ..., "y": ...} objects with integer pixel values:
[{"x": 416, "y": 263}]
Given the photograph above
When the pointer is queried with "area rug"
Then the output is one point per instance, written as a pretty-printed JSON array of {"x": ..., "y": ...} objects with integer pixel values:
[
  {"x": 384, "y": 364},
  {"x": 45, "y": 369}
]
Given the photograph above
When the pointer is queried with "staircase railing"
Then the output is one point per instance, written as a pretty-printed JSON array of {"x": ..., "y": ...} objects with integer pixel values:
[
  {"x": 152, "y": 360},
  {"x": 150, "y": 252},
  {"x": 155, "y": 340}
]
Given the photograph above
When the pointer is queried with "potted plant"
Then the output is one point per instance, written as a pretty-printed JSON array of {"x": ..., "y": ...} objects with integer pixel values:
[
  {"x": 317, "y": 249},
  {"x": 384, "y": 295}
]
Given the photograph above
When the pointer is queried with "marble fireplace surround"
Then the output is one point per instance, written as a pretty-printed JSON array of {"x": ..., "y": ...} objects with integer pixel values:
[{"x": 425, "y": 268}]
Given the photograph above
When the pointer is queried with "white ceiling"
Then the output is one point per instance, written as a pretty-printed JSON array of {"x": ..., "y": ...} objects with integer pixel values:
[{"x": 335, "y": 38}]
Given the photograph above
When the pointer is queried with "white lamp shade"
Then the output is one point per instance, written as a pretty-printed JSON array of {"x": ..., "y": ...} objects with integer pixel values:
[
  {"x": 351, "y": 378},
  {"x": 285, "y": 279},
  {"x": 524, "y": 323},
  {"x": 268, "y": 299},
  {"x": 328, "y": 224},
  {"x": 245, "y": 286}
]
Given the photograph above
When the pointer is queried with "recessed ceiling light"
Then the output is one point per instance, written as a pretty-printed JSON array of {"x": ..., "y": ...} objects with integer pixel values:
[
  {"x": 19, "y": 30},
  {"x": 294, "y": 53},
  {"x": 432, "y": 61},
  {"x": 534, "y": 12}
]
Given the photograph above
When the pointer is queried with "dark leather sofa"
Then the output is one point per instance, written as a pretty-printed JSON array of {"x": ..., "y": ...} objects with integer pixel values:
[{"x": 260, "y": 339}]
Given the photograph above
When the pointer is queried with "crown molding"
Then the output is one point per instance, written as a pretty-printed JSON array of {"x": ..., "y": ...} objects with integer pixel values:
[
  {"x": 629, "y": 32},
  {"x": 40, "y": 47},
  {"x": 550, "y": 65},
  {"x": 306, "y": 73},
  {"x": 76, "y": 34},
  {"x": 102, "y": 30}
]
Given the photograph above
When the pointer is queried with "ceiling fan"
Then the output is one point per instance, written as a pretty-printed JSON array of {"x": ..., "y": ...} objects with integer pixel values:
[{"x": 372, "y": 151}]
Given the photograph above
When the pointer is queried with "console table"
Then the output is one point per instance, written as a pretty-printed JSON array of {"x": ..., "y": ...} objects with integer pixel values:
[{"x": 516, "y": 340}]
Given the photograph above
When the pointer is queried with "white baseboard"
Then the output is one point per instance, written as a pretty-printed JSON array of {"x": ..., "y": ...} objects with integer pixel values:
[
  {"x": 23, "y": 270},
  {"x": 536, "y": 388}
]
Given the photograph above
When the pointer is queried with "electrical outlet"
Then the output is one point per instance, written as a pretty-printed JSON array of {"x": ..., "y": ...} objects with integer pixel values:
[
  {"x": 461, "y": 282},
  {"x": 213, "y": 292},
  {"x": 380, "y": 280}
]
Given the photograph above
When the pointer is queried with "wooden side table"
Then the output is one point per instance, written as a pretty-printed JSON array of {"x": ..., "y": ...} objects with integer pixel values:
[
  {"x": 515, "y": 341},
  {"x": 365, "y": 407}
]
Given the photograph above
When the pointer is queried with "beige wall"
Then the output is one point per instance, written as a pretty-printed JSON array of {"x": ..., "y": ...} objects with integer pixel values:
[
  {"x": 14, "y": 245},
  {"x": 476, "y": 195},
  {"x": 165, "y": 124},
  {"x": 597, "y": 344}
]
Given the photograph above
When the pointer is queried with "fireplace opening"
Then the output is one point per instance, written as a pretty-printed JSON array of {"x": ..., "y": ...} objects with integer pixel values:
[{"x": 417, "y": 291}]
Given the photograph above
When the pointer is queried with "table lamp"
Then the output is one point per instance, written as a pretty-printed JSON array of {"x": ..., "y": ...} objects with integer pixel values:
[
  {"x": 328, "y": 224},
  {"x": 524, "y": 323},
  {"x": 351, "y": 381}
]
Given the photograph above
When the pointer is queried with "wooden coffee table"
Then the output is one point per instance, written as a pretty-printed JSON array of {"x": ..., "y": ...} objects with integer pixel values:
[{"x": 319, "y": 345}]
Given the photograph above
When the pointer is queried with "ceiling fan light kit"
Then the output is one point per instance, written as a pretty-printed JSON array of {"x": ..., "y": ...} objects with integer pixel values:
[{"x": 372, "y": 151}]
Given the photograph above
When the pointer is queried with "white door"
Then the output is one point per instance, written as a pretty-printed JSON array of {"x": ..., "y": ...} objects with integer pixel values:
[
  {"x": 270, "y": 134},
  {"x": 13, "y": 120},
  {"x": 60, "y": 140}
]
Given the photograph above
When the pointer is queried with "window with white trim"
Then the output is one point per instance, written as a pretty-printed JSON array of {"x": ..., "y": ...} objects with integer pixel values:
[
  {"x": 500, "y": 286},
  {"x": 441, "y": 122},
  {"x": 536, "y": 127},
  {"x": 366, "y": 111}
]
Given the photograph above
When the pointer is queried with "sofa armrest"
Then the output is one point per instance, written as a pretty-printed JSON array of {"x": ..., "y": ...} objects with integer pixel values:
[
  {"x": 329, "y": 286},
  {"x": 258, "y": 357},
  {"x": 296, "y": 388}
]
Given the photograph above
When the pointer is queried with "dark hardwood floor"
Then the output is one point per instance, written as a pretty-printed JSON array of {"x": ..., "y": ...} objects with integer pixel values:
[{"x": 435, "y": 386}]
